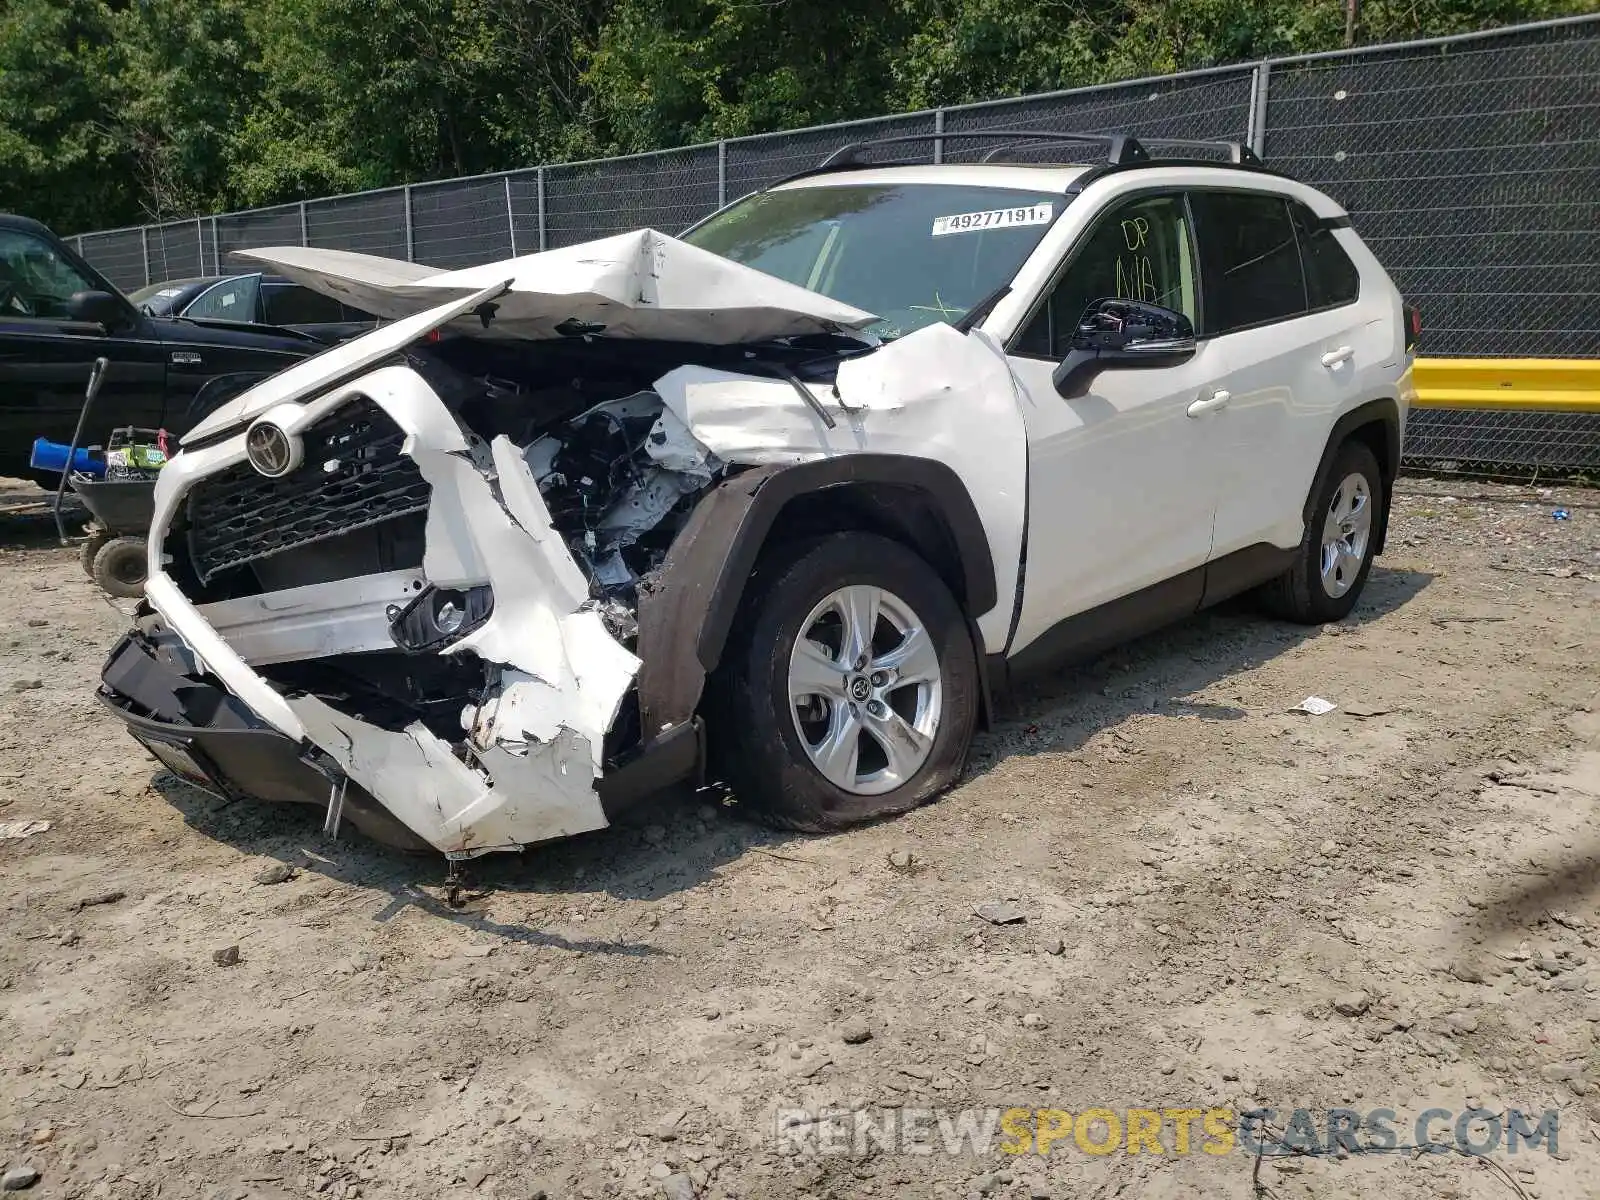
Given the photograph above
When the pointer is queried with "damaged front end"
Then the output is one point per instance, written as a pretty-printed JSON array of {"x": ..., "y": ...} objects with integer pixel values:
[{"x": 403, "y": 579}]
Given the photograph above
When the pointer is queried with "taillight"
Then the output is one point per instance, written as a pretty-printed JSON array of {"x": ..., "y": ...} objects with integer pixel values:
[{"x": 1411, "y": 326}]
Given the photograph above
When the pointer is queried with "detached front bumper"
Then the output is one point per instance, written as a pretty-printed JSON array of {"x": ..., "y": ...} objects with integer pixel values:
[
  {"x": 205, "y": 735},
  {"x": 202, "y": 733}
]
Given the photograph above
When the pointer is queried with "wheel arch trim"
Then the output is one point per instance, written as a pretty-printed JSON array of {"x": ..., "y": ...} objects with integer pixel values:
[
  {"x": 687, "y": 610},
  {"x": 1383, "y": 412}
]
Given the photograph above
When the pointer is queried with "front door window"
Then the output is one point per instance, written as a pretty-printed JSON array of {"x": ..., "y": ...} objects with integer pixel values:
[
  {"x": 35, "y": 281},
  {"x": 229, "y": 300},
  {"x": 1140, "y": 250}
]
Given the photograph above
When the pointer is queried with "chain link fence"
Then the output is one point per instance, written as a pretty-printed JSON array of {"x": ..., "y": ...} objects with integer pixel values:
[
  {"x": 1512, "y": 441},
  {"x": 1471, "y": 165},
  {"x": 1473, "y": 172}
]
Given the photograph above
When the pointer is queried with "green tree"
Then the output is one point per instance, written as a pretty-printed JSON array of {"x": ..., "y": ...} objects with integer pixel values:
[
  {"x": 62, "y": 156},
  {"x": 669, "y": 72},
  {"x": 365, "y": 93},
  {"x": 118, "y": 111},
  {"x": 292, "y": 143},
  {"x": 967, "y": 50},
  {"x": 184, "y": 88}
]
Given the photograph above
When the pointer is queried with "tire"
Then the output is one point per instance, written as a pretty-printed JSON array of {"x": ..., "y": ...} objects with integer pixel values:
[
  {"x": 912, "y": 732},
  {"x": 120, "y": 567},
  {"x": 90, "y": 548},
  {"x": 1305, "y": 593}
]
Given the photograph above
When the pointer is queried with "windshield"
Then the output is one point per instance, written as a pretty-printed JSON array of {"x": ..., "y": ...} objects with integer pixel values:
[{"x": 912, "y": 253}]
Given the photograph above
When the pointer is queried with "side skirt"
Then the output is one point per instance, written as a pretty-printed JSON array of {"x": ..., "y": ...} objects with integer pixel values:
[{"x": 1084, "y": 635}]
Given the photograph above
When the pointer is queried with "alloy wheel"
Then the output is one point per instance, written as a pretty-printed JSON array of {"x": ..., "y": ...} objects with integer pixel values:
[
  {"x": 864, "y": 689},
  {"x": 1346, "y": 529}
]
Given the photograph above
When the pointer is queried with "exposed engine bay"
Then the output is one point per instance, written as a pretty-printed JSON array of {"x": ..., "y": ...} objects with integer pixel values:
[{"x": 612, "y": 478}]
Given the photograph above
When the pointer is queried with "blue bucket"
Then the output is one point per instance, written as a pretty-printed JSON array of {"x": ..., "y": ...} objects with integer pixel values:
[{"x": 52, "y": 456}]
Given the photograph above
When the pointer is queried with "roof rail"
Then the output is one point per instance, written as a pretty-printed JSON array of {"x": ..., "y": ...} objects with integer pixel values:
[
  {"x": 1239, "y": 154},
  {"x": 1121, "y": 149}
]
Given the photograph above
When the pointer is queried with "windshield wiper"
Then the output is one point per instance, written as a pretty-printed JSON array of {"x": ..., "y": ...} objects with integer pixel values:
[
  {"x": 793, "y": 380},
  {"x": 982, "y": 309}
]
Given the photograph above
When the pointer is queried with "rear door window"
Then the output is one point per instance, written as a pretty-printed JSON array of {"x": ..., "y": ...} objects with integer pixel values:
[
  {"x": 1249, "y": 260},
  {"x": 291, "y": 304}
]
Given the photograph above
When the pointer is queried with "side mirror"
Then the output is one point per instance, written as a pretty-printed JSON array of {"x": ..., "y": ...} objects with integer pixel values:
[
  {"x": 96, "y": 308},
  {"x": 1123, "y": 333}
]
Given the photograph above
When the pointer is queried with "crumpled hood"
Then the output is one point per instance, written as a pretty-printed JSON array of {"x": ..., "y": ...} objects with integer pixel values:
[
  {"x": 643, "y": 284},
  {"x": 311, "y": 375}
]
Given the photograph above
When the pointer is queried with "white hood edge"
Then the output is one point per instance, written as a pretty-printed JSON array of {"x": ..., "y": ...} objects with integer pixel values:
[
  {"x": 643, "y": 284},
  {"x": 311, "y": 375}
]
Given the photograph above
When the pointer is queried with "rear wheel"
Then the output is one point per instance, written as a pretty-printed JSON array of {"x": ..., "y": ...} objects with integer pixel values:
[
  {"x": 1336, "y": 555},
  {"x": 120, "y": 566},
  {"x": 92, "y": 547},
  {"x": 850, "y": 686}
]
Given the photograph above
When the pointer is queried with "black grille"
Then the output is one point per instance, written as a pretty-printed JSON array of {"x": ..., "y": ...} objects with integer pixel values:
[{"x": 237, "y": 516}]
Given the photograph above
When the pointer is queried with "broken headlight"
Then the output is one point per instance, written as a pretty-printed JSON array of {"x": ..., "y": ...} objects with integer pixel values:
[{"x": 439, "y": 616}]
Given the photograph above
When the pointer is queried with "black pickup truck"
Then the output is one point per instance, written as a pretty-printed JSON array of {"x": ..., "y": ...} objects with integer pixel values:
[{"x": 58, "y": 314}]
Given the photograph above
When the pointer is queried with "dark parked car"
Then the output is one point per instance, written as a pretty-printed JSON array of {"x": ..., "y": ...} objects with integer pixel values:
[
  {"x": 257, "y": 298},
  {"x": 168, "y": 299},
  {"x": 58, "y": 314}
]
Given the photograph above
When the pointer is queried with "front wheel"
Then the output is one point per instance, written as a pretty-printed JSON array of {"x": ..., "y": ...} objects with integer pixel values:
[
  {"x": 849, "y": 689},
  {"x": 1335, "y": 557}
]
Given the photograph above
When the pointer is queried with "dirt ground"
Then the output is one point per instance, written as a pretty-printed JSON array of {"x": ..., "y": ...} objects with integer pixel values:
[{"x": 1223, "y": 904}]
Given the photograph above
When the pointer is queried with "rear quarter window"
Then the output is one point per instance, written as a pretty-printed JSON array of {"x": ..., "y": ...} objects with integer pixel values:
[{"x": 1331, "y": 278}]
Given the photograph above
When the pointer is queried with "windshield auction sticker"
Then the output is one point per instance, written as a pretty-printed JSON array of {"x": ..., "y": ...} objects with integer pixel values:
[{"x": 995, "y": 218}]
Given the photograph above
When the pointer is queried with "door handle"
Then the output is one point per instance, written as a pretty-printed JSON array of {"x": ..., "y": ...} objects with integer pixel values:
[
  {"x": 1334, "y": 357},
  {"x": 1217, "y": 399}
]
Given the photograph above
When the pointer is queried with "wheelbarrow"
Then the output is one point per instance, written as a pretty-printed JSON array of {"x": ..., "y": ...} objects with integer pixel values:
[
  {"x": 122, "y": 509},
  {"x": 117, "y": 485}
]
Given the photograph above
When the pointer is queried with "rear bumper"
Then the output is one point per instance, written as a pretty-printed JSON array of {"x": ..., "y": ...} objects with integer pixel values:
[{"x": 204, "y": 734}]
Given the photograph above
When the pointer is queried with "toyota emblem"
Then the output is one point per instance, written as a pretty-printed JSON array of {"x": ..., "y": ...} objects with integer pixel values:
[{"x": 271, "y": 451}]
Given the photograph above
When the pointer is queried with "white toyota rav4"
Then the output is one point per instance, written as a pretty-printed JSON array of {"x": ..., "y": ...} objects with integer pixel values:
[{"x": 792, "y": 498}]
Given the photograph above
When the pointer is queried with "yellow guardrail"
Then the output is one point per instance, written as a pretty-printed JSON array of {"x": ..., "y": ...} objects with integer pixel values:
[{"x": 1531, "y": 384}]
